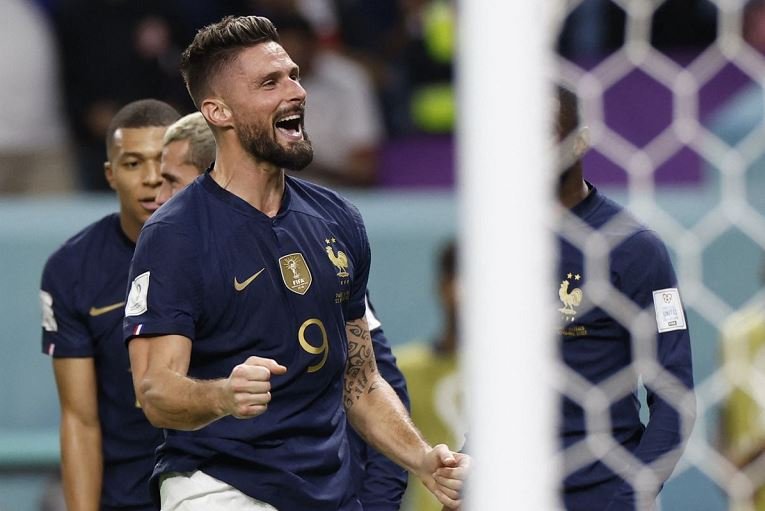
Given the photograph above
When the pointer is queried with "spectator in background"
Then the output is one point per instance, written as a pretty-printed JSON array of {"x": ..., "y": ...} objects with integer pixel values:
[
  {"x": 112, "y": 53},
  {"x": 742, "y": 424},
  {"x": 431, "y": 26},
  {"x": 343, "y": 122},
  {"x": 431, "y": 372},
  {"x": 33, "y": 154}
]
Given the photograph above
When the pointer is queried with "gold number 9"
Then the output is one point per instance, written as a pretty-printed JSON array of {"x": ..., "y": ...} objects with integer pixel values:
[{"x": 322, "y": 350}]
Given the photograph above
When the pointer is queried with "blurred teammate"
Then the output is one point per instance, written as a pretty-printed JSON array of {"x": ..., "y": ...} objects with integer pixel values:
[
  {"x": 743, "y": 428},
  {"x": 107, "y": 445},
  {"x": 431, "y": 371},
  {"x": 189, "y": 149},
  {"x": 248, "y": 285},
  {"x": 641, "y": 320}
]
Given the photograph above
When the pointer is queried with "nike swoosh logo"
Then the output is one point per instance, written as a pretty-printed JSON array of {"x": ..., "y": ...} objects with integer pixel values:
[
  {"x": 239, "y": 286},
  {"x": 97, "y": 311}
]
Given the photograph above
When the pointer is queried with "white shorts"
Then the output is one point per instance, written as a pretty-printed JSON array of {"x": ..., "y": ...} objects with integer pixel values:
[{"x": 199, "y": 492}]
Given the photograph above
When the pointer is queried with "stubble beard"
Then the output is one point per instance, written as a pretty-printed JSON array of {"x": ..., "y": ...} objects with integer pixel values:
[{"x": 260, "y": 144}]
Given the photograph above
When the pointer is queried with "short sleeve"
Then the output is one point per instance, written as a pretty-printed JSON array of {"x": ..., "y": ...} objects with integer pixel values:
[
  {"x": 64, "y": 329},
  {"x": 164, "y": 290},
  {"x": 356, "y": 306}
]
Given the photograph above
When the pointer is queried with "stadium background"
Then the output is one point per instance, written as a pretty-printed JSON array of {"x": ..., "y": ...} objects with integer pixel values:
[{"x": 413, "y": 211}]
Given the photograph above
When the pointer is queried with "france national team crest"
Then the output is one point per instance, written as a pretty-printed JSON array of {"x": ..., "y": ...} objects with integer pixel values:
[
  {"x": 295, "y": 273},
  {"x": 339, "y": 259},
  {"x": 571, "y": 298}
]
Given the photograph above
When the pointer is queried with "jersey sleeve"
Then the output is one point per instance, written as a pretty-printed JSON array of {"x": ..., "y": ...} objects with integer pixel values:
[
  {"x": 356, "y": 307},
  {"x": 65, "y": 331},
  {"x": 648, "y": 279},
  {"x": 165, "y": 293}
]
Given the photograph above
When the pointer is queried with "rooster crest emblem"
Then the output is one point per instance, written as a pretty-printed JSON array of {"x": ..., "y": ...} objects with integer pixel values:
[
  {"x": 339, "y": 260},
  {"x": 571, "y": 299}
]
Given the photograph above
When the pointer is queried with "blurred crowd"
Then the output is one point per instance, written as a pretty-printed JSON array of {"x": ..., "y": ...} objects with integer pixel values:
[{"x": 376, "y": 71}]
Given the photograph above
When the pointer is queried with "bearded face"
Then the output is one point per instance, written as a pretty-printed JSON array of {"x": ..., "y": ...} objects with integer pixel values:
[{"x": 285, "y": 143}]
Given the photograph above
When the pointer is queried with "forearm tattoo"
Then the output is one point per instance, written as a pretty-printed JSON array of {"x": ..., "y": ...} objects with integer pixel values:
[{"x": 361, "y": 369}]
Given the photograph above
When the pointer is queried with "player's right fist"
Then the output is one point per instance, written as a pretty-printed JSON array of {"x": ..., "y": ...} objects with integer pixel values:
[{"x": 248, "y": 389}]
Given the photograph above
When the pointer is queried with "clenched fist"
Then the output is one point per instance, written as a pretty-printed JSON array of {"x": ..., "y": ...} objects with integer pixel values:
[{"x": 248, "y": 389}]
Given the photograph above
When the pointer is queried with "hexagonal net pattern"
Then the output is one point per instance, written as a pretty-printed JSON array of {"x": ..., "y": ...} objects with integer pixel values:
[{"x": 677, "y": 136}]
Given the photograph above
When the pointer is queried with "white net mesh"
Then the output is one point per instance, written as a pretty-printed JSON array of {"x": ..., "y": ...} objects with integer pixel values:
[{"x": 680, "y": 133}]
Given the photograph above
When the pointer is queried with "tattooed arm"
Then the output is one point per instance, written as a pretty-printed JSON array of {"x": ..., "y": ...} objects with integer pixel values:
[{"x": 376, "y": 413}]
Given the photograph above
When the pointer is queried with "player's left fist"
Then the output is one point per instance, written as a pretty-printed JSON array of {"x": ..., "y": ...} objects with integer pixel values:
[{"x": 444, "y": 472}]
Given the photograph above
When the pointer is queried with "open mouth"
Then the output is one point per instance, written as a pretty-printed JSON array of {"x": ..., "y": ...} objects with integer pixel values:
[
  {"x": 291, "y": 126},
  {"x": 149, "y": 204}
]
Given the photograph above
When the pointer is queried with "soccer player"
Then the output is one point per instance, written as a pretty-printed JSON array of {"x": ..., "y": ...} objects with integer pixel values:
[
  {"x": 249, "y": 290},
  {"x": 640, "y": 320},
  {"x": 107, "y": 445},
  {"x": 189, "y": 149}
]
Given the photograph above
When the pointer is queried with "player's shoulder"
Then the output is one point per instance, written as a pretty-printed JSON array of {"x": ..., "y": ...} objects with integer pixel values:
[
  {"x": 314, "y": 199},
  {"x": 81, "y": 245},
  {"x": 180, "y": 212},
  {"x": 623, "y": 230}
]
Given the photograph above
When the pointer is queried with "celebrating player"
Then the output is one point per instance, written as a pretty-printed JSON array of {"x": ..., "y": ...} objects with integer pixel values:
[
  {"x": 248, "y": 289},
  {"x": 601, "y": 337},
  {"x": 189, "y": 148},
  {"x": 107, "y": 445}
]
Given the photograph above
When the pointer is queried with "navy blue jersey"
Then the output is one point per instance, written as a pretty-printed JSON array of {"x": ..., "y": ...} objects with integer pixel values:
[
  {"x": 210, "y": 267},
  {"x": 83, "y": 293},
  {"x": 379, "y": 482},
  {"x": 597, "y": 345}
]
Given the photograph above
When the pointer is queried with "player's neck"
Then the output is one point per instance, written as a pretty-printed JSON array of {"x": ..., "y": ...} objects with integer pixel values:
[
  {"x": 259, "y": 183},
  {"x": 130, "y": 228},
  {"x": 572, "y": 189}
]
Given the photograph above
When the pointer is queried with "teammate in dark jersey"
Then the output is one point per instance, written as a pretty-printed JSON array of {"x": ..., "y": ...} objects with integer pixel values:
[
  {"x": 641, "y": 320},
  {"x": 107, "y": 445},
  {"x": 249, "y": 284},
  {"x": 189, "y": 148}
]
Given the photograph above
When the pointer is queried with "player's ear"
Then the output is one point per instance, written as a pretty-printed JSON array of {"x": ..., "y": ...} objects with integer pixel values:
[
  {"x": 216, "y": 112},
  {"x": 109, "y": 174},
  {"x": 582, "y": 142}
]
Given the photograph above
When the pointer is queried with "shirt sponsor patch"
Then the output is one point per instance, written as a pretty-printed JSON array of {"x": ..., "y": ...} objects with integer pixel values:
[
  {"x": 48, "y": 317},
  {"x": 669, "y": 310},
  {"x": 137, "y": 301}
]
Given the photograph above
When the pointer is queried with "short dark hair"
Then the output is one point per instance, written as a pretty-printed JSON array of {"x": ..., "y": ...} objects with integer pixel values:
[
  {"x": 216, "y": 45},
  {"x": 567, "y": 116},
  {"x": 143, "y": 113}
]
